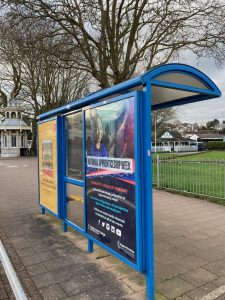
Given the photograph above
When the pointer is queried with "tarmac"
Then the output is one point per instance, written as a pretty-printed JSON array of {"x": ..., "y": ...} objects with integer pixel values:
[{"x": 189, "y": 248}]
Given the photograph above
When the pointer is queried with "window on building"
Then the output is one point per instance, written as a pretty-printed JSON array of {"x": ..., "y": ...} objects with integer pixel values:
[
  {"x": 29, "y": 135},
  {"x": 13, "y": 115},
  {"x": 5, "y": 141},
  {"x": 7, "y": 115},
  {"x": 19, "y": 115},
  {"x": 22, "y": 140},
  {"x": 13, "y": 140}
]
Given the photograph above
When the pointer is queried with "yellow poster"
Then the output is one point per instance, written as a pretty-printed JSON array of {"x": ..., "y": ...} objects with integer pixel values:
[{"x": 47, "y": 149}]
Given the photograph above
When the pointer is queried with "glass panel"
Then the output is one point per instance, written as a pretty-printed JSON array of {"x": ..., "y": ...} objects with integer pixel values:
[
  {"x": 183, "y": 79},
  {"x": 75, "y": 204},
  {"x": 74, "y": 146}
]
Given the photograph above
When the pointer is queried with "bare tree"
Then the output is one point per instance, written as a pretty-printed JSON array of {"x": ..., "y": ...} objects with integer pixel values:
[
  {"x": 10, "y": 71},
  {"x": 32, "y": 73},
  {"x": 161, "y": 118},
  {"x": 117, "y": 38}
]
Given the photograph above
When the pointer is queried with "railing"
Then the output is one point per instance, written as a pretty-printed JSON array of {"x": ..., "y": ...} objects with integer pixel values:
[
  {"x": 198, "y": 177},
  {"x": 185, "y": 148},
  {"x": 175, "y": 148},
  {"x": 161, "y": 149}
]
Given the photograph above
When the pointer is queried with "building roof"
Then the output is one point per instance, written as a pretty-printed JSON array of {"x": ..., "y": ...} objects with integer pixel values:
[
  {"x": 207, "y": 136},
  {"x": 171, "y": 136},
  {"x": 17, "y": 123},
  {"x": 13, "y": 105}
]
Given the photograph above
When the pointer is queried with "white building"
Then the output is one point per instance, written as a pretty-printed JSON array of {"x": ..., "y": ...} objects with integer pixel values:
[
  {"x": 14, "y": 131},
  {"x": 171, "y": 141}
]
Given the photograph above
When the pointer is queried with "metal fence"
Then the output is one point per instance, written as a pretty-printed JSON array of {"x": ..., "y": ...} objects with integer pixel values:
[
  {"x": 175, "y": 148},
  {"x": 198, "y": 177}
]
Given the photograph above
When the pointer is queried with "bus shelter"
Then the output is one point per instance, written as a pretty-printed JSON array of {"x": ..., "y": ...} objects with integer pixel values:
[{"x": 95, "y": 168}]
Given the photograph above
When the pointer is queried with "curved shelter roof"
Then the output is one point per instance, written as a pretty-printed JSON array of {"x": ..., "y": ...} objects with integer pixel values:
[{"x": 166, "y": 85}]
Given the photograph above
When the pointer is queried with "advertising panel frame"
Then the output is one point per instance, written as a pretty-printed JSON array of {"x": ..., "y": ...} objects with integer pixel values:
[
  {"x": 70, "y": 180},
  {"x": 58, "y": 185},
  {"x": 138, "y": 199}
]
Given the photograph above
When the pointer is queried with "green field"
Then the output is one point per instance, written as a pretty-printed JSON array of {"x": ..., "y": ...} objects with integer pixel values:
[
  {"x": 209, "y": 155},
  {"x": 200, "y": 155},
  {"x": 198, "y": 174}
]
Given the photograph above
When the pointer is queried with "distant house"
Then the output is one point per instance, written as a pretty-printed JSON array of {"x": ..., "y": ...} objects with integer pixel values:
[
  {"x": 169, "y": 141},
  {"x": 187, "y": 128},
  {"x": 14, "y": 132},
  {"x": 206, "y": 137},
  {"x": 193, "y": 137},
  {"x": 210, "y": 137}
]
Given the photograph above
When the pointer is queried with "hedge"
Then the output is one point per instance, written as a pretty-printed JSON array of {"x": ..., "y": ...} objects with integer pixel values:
[{"x": 216, "y": 145}]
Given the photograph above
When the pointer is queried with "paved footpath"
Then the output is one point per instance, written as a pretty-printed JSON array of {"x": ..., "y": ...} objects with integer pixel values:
[
  {"x": 52, "y": 264},
  {"x": 189, "y": 248}
]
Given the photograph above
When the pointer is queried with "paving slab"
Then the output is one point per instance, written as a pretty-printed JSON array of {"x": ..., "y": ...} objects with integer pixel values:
[
  {"x": 200, "y": 292},
  {"x": 199, "y": 277},
  {"x": 175, "y": 287}
]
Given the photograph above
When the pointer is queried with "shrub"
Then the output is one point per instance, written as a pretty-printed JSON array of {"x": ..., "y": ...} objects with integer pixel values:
[{"x": 216, "y": 145}]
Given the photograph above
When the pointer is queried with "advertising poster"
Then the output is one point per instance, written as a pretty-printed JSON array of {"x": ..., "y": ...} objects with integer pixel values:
[
  {"x": 48, "y": 165},
  {"x": 110, "y": 176},
  {"x": 47, "y": 157}
]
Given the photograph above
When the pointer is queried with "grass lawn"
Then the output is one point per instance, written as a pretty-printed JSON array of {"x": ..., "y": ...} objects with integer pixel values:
[
  {"x": 209, "y": 155},
  {"x": 198, "y": 174},
  {"x": 200, "y": 155}
]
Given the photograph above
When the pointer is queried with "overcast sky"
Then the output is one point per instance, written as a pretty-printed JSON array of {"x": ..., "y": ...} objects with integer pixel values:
[{"x": 210, "y": 109}]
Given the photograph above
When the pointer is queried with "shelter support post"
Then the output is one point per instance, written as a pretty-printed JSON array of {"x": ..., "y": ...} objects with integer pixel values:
[
  {"x": 90, "y": 246},
  {"x": 148, "y": 255},
  {"x": 64, "y": 226}
]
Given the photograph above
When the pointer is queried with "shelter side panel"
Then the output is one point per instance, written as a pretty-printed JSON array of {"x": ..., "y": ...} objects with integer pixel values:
[
  {"x": 47, "y": 152},
  {"x": 110, "y": 176}
]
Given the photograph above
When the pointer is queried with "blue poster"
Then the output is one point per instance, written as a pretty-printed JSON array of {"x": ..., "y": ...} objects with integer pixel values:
[{"x": 110, "y": 176}]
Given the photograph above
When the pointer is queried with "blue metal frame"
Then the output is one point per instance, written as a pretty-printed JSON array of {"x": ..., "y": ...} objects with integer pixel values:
[
  {"x": 63, "y": 168},
  {"x": 74, "y": 181},
  {"x": 143, "y": 172},
  {"x": 58, "y": 135},
  {"x": 90, "y": 242},
  {"x": 67, "y": 179},
  {"x": 138, "y": 176},
  {"x": 148, "y": 226},
  {"x": 37, "y": 146},
  {"x": 184, "y": 69}
]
